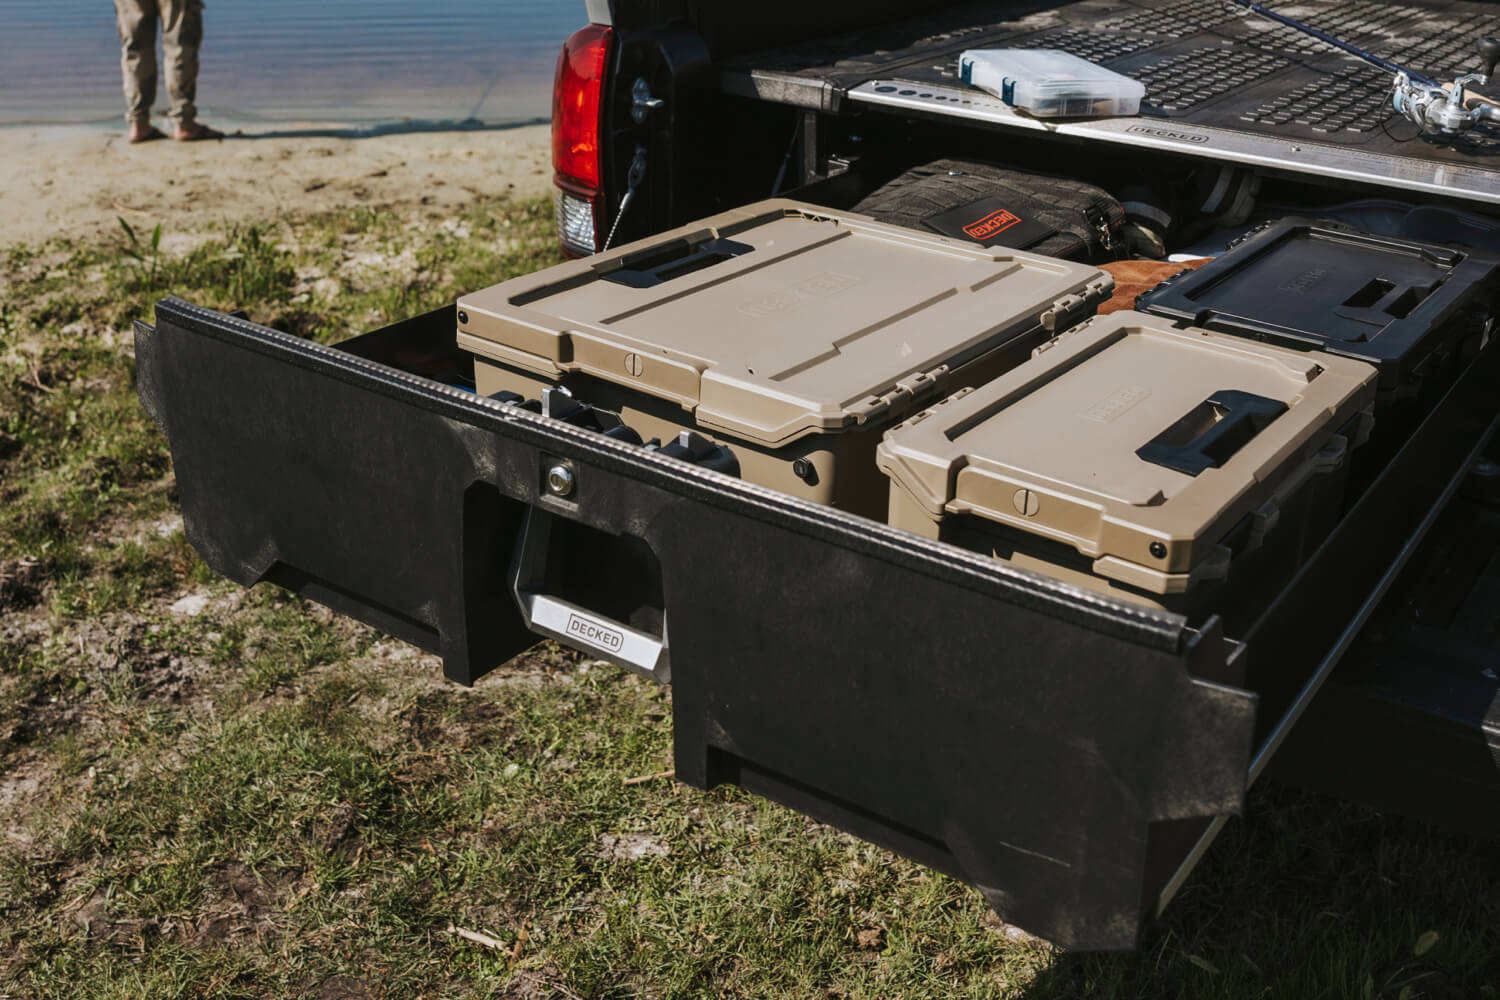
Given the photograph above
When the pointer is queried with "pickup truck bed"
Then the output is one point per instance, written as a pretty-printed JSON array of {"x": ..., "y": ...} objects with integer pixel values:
[{"x": 1069, "y": 754}]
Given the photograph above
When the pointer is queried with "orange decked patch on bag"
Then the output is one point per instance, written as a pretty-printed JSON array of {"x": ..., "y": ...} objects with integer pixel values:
[
  {"x": 993, "y": 221},
  {"x": 996, "y": 222}
]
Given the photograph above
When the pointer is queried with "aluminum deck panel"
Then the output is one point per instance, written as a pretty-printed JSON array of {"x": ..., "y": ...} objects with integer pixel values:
[{"x": 1221, "y": 82}]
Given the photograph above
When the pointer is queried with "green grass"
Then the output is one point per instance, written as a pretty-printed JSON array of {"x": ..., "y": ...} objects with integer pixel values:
[{"x": 262, "y": 799}]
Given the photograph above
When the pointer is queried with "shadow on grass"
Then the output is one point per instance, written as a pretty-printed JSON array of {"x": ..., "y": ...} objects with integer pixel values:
[{"x": 1313, "y": 897}]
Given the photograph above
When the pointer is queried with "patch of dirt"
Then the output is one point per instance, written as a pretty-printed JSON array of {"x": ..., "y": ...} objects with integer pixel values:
[
  {"x": 23, "y": 787},
  {"x": 84, "y": 659},
  {"x": 158, "y": 676},
  {"x": 1010, "y": 932},
  {"x": 191, "y": 606},
  {"x": 422, "y": 721},
  {"x": 16, "y": 734},
  {"x": 480, "y": 722},
  {"x": 547, "y": 984},
  {"x": 630, "y": 847},
  {"x": 100, "y": 923},
  {"x": 167, "y": 525},
  {"x": 333, "y": 826},
  {"x": 51, "y": 709},
  {"x": 549, "y": 657},
  {"x": 343, "y": 988},
  {"x": 242, "y": 904},
  {"x": 449, "y": 717},
  {"x": 425, "y": 769},
  {"x": 24, "y": 582}
]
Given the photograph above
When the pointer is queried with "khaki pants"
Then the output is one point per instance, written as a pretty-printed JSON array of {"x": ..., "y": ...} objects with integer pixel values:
[{"x": 182, "y": 33}]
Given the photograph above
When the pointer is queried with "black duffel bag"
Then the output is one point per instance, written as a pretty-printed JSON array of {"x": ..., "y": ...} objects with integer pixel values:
[{"x": 998, "y": 206}]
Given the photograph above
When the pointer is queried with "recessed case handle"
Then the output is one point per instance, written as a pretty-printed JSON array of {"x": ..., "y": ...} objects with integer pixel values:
[
  {"x": 1210, "y": 433},
  {"x": 660, "y": 264}
]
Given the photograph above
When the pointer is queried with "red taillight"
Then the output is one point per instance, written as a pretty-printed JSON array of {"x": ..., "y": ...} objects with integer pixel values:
[{"x": 576, "y": 94}]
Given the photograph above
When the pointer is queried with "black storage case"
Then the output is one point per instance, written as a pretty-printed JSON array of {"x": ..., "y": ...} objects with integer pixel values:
[
  {"x": 1402, "y": 306},
  {"x": 1416, "y": 311}
]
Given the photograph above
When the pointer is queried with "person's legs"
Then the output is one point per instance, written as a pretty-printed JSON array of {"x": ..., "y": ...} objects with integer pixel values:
[
  {"x": 182, "y": 33},
  {"x": 136, "y": 20}
]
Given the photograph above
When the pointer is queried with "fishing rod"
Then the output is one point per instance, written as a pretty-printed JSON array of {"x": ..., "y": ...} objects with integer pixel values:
[{"x": 1446, "y": 108}]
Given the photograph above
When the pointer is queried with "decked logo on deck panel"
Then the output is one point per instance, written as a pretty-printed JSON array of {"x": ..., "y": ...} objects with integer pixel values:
[
  {"x": 594, "y": 633},
  {"x": 1167, "y": 133}
]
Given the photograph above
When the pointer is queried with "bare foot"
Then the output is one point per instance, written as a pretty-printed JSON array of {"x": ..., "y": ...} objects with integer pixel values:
[
  {"x": 194, "y": 131},
  {"x": 144, "y": 132}
]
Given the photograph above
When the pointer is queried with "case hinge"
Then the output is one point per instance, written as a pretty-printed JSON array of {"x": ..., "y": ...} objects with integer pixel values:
[
  {"x": 901, "y": 397},
  {"x": 1065, "y": 311}
]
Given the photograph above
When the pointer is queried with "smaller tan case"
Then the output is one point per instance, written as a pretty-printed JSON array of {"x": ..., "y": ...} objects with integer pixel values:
[
  {"x": 1112, "y": 443},
  {"x": 784, "y": 330}
]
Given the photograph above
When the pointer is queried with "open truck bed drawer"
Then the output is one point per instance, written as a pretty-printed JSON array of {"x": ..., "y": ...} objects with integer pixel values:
[{"x": 1069, "y": 754}]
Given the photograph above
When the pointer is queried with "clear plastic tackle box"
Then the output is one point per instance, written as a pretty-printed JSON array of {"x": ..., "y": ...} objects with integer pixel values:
[{"x": 1051, "y": 83}]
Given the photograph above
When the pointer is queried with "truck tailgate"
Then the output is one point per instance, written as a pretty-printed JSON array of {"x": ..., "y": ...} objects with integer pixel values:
[{"x": 1069, "y": 754}]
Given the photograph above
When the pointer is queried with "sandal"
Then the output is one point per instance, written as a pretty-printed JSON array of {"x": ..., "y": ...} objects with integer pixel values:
[{"x": 195, "y": 131}]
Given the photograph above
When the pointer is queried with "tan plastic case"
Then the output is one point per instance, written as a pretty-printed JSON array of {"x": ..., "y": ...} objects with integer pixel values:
[
  {"x": 1133, "y": 443},
  {"x": 772, "y": 327}
]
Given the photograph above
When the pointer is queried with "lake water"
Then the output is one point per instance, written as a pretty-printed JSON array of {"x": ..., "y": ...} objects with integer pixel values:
[{"x": 299, "y": 60}]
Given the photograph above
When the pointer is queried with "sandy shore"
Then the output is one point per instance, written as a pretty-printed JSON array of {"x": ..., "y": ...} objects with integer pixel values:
[{"x": 74, "y": 181}]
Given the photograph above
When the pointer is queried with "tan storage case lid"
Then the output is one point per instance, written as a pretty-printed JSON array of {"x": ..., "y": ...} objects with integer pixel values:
[
  {"x": 1135, "y": 442},
  {"x": 779, "y": 319}
]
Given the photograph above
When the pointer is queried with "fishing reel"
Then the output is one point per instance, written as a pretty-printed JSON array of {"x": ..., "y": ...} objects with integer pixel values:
[
  {"x": 1442, "y": 109},
  {"x": 1449, "y": 109}
]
